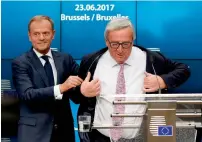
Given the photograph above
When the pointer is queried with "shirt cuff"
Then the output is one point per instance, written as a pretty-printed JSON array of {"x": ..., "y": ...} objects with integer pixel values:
[{"x": 57, "y": 94}]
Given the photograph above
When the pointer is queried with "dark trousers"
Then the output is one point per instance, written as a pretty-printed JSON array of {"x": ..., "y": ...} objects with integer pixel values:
[
  {"x": 54, "y": 135},
  {"x": 63, "y": 127},
  {"x": 98, "y": 137},
  {"x": 60, "y": 134},
  {"x": 199, "y": 135}
]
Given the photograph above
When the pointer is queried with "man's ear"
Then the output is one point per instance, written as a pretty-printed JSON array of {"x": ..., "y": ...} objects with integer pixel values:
[
  {"x": 29, "y": 36},
  {"x": 53, "y": 34},
  {"x": 107, "y": 42}
]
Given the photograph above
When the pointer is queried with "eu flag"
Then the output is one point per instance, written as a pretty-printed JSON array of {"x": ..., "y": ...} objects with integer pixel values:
[{"x": 165, "y": 130}]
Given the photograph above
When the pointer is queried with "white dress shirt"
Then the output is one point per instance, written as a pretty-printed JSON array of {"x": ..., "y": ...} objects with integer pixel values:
[
  {"x": 57, "y": 93},
  {"x": 107, "y": 72}
]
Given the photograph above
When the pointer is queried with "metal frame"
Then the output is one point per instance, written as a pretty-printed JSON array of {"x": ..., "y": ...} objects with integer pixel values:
[{"x": 168, "y": 110}]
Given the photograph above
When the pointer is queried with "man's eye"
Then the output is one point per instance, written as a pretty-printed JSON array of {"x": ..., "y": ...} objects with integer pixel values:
[
  {"x": 114, "y": 44},
  {"x": 36, "y": 33},
  {"x": 46, "y": 33},
  {"x": 126, "y": 43}
]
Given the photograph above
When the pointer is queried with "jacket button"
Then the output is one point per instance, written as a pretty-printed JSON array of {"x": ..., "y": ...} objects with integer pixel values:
[{"x": 55, "y": 126}]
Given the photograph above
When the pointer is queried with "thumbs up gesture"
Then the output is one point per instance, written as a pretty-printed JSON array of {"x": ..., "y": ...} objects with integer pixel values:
[
  {"x": 153, "y": 82},
  {"x": 90, "y": 88}
]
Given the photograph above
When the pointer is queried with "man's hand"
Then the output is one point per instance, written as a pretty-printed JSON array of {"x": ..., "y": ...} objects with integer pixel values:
[
  {"x": 92, "y": 88},
  {"x": 72, "y": 81},
  {"x": 152, "y": 83}
]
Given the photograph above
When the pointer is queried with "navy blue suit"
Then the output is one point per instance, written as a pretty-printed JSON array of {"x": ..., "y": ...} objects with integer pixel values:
[{"x": 37, "y": 101}]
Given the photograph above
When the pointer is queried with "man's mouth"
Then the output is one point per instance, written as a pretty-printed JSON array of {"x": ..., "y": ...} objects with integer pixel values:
[
  {"x": 42, "y": 43},
  {"x": 120, "y": 55}
]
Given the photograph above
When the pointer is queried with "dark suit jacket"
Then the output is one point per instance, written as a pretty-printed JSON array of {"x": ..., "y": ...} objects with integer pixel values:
[
  {"x": 172, "y": 73},
  {"x": 37, "y": 102}
]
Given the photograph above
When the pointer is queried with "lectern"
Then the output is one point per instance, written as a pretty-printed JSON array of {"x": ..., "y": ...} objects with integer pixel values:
[
  {"x": 161, "y": 121},
  {"x": 162, "y": 116}
]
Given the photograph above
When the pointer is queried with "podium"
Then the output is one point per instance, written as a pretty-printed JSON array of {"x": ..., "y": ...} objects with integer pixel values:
[
  {"x": 161, "y": 121},
  {"x": 163, "y": 116}
]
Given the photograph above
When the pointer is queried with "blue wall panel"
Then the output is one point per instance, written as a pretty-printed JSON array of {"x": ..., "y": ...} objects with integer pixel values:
[
  {"x": 6, "y": 72},
  {"x": 15, "y": 18},
  {"x": 174, "y": 27}
]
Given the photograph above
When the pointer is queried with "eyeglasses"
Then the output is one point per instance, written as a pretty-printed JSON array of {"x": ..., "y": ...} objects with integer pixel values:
[{"x": 125, "y": 45}]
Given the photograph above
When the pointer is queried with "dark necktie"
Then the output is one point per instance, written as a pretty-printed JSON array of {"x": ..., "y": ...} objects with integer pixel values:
[{"x": 49, "y": 71}]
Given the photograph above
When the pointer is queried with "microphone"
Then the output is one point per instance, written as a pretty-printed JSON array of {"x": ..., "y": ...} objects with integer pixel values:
[{"x": 152, "y": 61}]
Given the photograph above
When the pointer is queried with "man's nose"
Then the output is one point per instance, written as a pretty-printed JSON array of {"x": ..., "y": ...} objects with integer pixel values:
[
  {"x": 41, "y": 37},
  {"x": 120, "y": 49}
]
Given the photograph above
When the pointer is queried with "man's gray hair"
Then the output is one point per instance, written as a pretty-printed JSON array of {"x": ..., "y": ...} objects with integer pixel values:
[{"x": 118, "y": 24}]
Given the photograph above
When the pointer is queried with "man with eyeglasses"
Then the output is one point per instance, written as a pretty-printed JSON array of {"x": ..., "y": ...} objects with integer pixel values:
[{"x": 122, "y": 68}]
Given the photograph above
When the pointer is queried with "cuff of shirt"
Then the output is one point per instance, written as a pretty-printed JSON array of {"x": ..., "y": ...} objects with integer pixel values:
[{"x": 57, "y": 94}]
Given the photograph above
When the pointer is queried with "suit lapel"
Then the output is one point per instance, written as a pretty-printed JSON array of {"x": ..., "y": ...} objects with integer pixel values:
[
  {"x": 149, "y": 68},
  {"x": 94, "y": 60},
  {"x": 57, "y": 60},
  {"x": 38, "y": 66}
]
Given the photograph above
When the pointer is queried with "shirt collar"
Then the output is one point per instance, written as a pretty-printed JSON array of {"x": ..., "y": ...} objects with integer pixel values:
[
  {"x": 49, "y": 54},
  {"x": 129, "y": 61}
]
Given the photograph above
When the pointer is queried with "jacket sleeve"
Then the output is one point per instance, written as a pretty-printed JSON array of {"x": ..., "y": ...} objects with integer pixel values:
[
  {"x": 177, "y": 73},
  {"x": 82, "y": 72},
  {"x": 74, "y": 93},
  {"x": 24, "y": 86}
]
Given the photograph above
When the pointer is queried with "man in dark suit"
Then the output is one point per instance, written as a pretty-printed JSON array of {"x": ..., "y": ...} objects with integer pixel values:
[
  {"x": 122, "y": 68},
  {"x": 44, "y": 80}
]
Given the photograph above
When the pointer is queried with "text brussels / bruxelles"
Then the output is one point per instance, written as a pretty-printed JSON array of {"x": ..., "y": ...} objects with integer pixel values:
[{"x": 85, "y": 17}]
